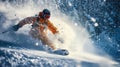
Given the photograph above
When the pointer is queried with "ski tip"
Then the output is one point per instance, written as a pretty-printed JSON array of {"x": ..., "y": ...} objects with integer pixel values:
[{"x": 63, "y": 52}]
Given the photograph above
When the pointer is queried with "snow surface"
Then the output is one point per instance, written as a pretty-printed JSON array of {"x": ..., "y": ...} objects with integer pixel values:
[{"x": 15, "y": 57}]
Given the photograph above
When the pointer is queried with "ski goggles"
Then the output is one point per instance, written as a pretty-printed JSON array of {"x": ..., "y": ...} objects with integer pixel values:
[{"x": 47, "y": 16}]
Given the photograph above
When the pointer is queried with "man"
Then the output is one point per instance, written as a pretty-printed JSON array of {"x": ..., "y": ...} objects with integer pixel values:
[{"x": 39, "y": 26}]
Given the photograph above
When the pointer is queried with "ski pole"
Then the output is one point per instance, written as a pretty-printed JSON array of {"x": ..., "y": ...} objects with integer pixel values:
[{"x": 8, "y": 30}]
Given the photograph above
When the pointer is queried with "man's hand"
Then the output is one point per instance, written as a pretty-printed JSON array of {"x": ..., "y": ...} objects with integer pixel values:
[{"x": 16, "y": 27}]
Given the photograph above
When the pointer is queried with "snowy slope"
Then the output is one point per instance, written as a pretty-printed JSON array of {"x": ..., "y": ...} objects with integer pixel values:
[
  {"x": 13, "y": 56},
  {"x": 24, "y": 57}
]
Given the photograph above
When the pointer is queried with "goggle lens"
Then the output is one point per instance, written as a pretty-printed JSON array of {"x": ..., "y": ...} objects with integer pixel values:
[{"x": 47, "y": 16}]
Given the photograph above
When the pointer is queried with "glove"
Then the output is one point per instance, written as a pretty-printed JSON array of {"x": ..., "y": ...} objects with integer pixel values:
[
  {"x": 60, "y": 40},
  {"x": 16, "y": 27}
]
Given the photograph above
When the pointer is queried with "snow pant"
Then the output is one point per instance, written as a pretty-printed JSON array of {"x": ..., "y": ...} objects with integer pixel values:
[{"x": 37, "y": 34}]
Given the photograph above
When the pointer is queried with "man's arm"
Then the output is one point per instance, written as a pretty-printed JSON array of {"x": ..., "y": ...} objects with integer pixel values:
[
  {"x": 27, "y": 20},
  {"x": 52, "y": 28}
]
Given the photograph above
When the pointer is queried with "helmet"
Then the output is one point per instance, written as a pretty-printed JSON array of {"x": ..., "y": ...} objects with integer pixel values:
[{"x": 46, "y": 13}]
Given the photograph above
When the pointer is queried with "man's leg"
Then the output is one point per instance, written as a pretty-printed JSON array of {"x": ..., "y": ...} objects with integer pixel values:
[
  {"x": 46, "y": 41},
  {"x": 43, "y": 37}
]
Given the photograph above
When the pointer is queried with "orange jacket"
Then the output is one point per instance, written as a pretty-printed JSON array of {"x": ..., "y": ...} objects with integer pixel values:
[{"x": 32, "y": 20}]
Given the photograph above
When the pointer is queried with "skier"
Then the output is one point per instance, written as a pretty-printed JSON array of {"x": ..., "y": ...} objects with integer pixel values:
[{"x": 39, "y": 25}]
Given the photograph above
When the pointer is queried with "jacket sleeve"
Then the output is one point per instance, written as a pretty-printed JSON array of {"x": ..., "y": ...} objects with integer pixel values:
[
  {"x": 52, "y": 28},
  {"x": 27, "y": 20}
]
